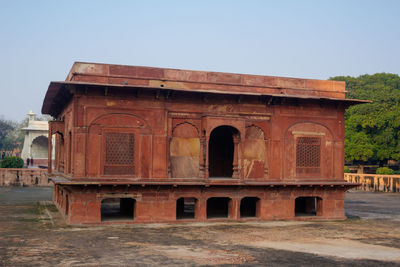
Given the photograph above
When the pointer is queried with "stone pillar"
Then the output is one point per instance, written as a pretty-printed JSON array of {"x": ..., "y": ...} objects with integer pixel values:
[
  {"x": 201, "y": 209},
  {"x": 234, "y": 209},
  {"x": 202, "y": 158},
  {"x": 236, "y": 141},
  {"x": 205, "y": 156}
]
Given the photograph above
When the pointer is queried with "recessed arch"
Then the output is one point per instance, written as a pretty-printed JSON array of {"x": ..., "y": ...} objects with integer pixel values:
[
  {"x": 124, "y": 120},
  {"x": 117, "y": 134},
  {"x": 305, "y": 123},
  {"x": 40, "y": 137},
  {"x": 39, "y": 147},
  {"x": 177, "y": 129},
  {"x": 254, "y": 152},
  {"x": 185, "y": 151},
  {"x": 59, "y": 150},
  {"x": 309, "y": 150},
  {"x": 222, "y": 147},
  {"x": 59, "y": 133},
  {"x": 238, "y": 133},
  {"x": 254, "y": 132}
]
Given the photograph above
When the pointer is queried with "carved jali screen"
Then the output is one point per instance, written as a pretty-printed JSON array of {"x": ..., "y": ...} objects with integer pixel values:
[
  {"x": 308, "y": 153},
  {"x": 119, "y": 153}
]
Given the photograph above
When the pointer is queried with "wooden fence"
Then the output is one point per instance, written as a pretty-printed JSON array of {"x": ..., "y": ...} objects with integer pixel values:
[{"x": 375, "y": 182}]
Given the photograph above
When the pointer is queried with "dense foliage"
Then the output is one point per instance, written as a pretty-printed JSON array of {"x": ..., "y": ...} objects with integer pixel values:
[
  {"x": 373, "y": 129},
  {"x": 9, "y": 134},
  {"x": 12, "y": 162},
  {"x": 384, "y": 170}
]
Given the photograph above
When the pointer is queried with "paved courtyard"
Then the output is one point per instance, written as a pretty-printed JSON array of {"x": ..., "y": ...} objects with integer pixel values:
[{"x": 32, "y": 233}]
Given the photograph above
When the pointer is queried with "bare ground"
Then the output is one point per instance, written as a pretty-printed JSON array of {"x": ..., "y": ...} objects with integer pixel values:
[{"x": 32, "y": 233}]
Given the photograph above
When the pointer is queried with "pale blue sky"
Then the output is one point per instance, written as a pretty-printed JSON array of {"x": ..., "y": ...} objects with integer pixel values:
[{"x": 309, "y": 39}]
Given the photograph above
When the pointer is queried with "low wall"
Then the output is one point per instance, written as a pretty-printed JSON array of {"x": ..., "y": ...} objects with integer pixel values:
[
  {"x": 24, "y": 177},
  {"x": 375, "y": 182}
]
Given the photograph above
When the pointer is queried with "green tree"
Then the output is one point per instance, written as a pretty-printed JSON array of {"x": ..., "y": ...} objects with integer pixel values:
[
  {"x": 373, "y": 129},
  {"x": 384, "y": 170},
  {"x": 6, "y": 127}
]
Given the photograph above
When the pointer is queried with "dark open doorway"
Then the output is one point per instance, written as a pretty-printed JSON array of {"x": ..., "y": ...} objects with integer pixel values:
[
  {"x": 117, "y": 209},
  {"x": 220, "y": 151},
  {"x": 248, "y": 207},
  {"x": 185, "y": 208},
  {"x": 218, "y": 207},
  {"x": 308, "y": 206}
]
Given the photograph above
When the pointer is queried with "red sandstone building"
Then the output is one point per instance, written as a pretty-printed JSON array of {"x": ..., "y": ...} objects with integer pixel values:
[{"x": 140, "y": 144}]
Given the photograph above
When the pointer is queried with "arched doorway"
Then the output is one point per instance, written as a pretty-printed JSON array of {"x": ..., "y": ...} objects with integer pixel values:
[
  {"x": 39, "y": 147},
  {"x": 221, "y": 151}
]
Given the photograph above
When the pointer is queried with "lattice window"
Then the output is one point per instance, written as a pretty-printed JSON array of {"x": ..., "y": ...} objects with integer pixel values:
[
  {"x": 119, "y": 153},
  {"x": 308, "y": 153}
]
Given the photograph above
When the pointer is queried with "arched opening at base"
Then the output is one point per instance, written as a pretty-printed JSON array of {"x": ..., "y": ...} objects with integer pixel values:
[
  {"x": 308, "y": 206},
  {"x": 185, "y": 208},
  {"x": 218, "y": 207},
  {"x": 249, "y": 207},
  {"x": 114, "y": 209}
]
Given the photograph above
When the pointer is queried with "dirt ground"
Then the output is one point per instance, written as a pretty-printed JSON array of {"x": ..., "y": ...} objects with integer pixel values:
[{"x": 32, "y": 233}]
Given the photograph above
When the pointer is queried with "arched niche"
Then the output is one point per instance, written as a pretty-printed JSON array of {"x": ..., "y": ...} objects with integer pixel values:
[
  {"x": 185, "y": 151},
  {"x": 308, "y": 151},
  {"x": 40, "y": 147},
  {"x": 119, "y": 144},
  {"x": 254, "y": 153},
  {"x": 59, "y": 151},
  {"x": 119, "y": 120}
]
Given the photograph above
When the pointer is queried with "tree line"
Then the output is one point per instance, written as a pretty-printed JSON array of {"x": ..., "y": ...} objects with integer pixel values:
[
  {"x": 373, "y": 129},
  {"x": 11, "y": 134}
]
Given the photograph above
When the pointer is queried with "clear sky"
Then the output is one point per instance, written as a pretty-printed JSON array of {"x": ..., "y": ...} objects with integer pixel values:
[{"x": 309, "y": 39}]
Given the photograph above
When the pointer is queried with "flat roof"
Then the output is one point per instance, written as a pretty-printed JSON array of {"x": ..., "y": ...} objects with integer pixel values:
[
  {"x": 96, "y": 71},
  {"x": 133, "y": 77}
]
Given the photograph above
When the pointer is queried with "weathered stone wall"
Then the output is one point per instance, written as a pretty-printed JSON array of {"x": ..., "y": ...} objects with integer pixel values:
[
  {"x": 158, "y": 204},
  {"x": 375, "y": 182},
  {"x": 24, "y": 177}
]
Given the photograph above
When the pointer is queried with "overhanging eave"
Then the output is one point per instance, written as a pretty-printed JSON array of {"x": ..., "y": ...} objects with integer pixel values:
[{"x": 58, "y": 95}]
